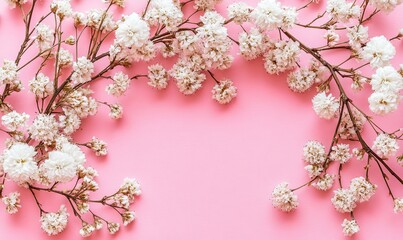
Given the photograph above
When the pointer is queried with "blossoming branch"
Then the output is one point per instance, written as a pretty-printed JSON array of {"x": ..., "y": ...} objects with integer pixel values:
[{"x": 43, "y": 156}]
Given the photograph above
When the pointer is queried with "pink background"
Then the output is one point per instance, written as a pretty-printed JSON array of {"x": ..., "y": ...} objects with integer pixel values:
[{"x": 207, "y": 170}]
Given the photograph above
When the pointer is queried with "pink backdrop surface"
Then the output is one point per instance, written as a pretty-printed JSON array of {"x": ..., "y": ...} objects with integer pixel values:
[{"x": 207, "y": 170}]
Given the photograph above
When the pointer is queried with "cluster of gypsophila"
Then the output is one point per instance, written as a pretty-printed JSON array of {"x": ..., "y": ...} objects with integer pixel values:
[
  {"x": 343, "y": 26},
  {"x": 194, "y": 35}
]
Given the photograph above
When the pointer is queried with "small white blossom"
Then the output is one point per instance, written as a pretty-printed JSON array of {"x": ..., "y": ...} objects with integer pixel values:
[
  {"x": 116, "y": 111},
  {"x": 283, "y": 198},
  {"x": 324, "y": 183},
  {"x": 44, "y": 128},
  {"x": 341, "y": 153},
  {"x": 252, "y": 44},
  {"x": 83, "y": 69},
  {"x": 301, "y": 80},
  {"x": 269, "y": 14},
  {"x": 387, "y": 79},
  {"x": 55, "y": 223},
  {"x": 239, "y": 12},
  {"x": 344, "y": 200},
  {"x": 121, "y": 83},
  {"x": 158, "y": 76},
  {"x": 283, "y": 56},
  {"x": 41, "y": 86},
  {"x": 385, "y": 5},
  {"x": 61, "y": 8},
  {"x": 350, "y": 227},
  {"x": 14, "y": 121},
  {"x": 325, "y": 106},
  {"x": 87, "y": 230},
  {"x": 12, "y": 202},
  {"x": 385, "y": 145},
  {"x": 224, "y": 91},
  {"x": 19, "y": 163},
  {"x": 314, "y": 153},
  {"x": 98, "y": 146},
  {"x": 363, "y": 189},
  {"x": 398, "y": 205},
  {"x": 132, "y": 31},
  {"x": 378, "y": 51},
  {"x": 14, "y": 3},
  {"x": 384, "y": 102},
  {"x": 342, "y": 11}
]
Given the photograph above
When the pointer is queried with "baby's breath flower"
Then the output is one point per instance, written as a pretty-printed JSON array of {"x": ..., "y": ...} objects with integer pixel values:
[
  {"x": 12, "y": 202},
  {"x": 224, "y": 91},
  {"x": 350, "y": 227},
  {"x": 54, "y": 223},
  {"x": 283, "y": 198}
]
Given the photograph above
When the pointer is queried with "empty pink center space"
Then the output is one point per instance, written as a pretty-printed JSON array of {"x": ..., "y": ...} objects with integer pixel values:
[{"x": 207, "y": 170}]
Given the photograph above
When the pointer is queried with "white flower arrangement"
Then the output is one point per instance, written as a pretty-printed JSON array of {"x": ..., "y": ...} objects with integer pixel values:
[{"x": 42, "y": 155}]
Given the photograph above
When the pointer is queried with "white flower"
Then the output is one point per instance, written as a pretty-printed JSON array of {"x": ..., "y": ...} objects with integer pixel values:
[
  {"x": 346, "y": 129},
  {"x": 398, "y": 205},
  {"x": 344, "y": 200},
  {"x": 283, "y": 56},
  {"x": 187, "y": 80},
  {"x": 314, "y": 170},
  {"x": 61, "y": 8},
  {"x": 362, "y": 188},
  {"x": 132, "y": 31},
  {"x": 239, "y": 12},
  {"x": 12, "y": 202},
  {"x": 378, "y": 51},
  {"x": 350, "y": 227},
  {"x": 385, "y": 145},
  {"x": 86, "y": 230},
  {"x": 98, "y": 146},
  {"x": 70, "y": 122},
  {"x": 65, "y": 58},
  {"x": 314, "y": 153},
  {"x": 81, "y": 102},
  {"x": 269, "y": 14},
  {"x": 385, "y": 5},
  {"x": 342, "y": 11},
  {"x": 113, "y": 227},
  {"x": 74, "y": 151},
  {"x": 82, "y": 70},
  {"x": 341, "y": 153},
  {"x": 283, "y": 198},
  {"x": 55, "y": 223},
  {"x": 130, "y": 188},
  {"x": 252, "y": 44},
  {"x": 158, "y": 76},
  {"x": 41, "y": 85},
  {"x": 121, "y": 83},
  {"x": 383, "y": 102},
  {"x": 164, "y": 12},
  {"x": 116, "y": 111},
  {"x": 44, "y": 37},
  {"x": 205, "y": 4},
  {"x": 44, "y": 128},
  {"x": 324, "y": 183},
  {"x": 128, "y": 217},
  {"x": 301, "y": 80},
  {"x": 96, "y": 17},
  {"x": 13, "y": 121},
  {"x": 120, "y": 3},
  {"x": 224, "y": 91},
  {"x": 14, "y": 3},
  {"x": 331, "y": 36},
  {"x": 59, "y": 167},
  {"x": 357, "y": 35},
  {"x": 9, "y": 73},
  {"x": 19, "y": 163},
  {"x": 325, "y": 106},
  {"x": 387, "y": 79}
]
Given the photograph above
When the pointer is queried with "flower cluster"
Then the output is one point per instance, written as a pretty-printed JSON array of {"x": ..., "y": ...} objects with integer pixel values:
[{"x": 41, "y": 153}]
